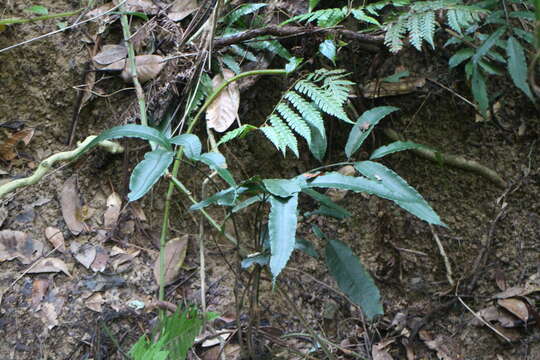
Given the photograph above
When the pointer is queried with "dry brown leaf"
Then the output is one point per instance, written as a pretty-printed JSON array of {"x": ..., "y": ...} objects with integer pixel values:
[
  {"x": 224, "y": 109},
  {"x": 137, "y": 211},
  {"x": 84, "y": 253},
  {"x": 100, "y": 10},
  {"x": 17, "y": 244},
  {"x": 181, "y": 9},
  {"x": 148, "y": 68},
  {"x": 145, "y": 6},
  {"x": 39, "y": 289},
  {"x": 175, "y": 253},
  {"x": 446, "y": 347},
  {"x": 492, "y": 314},
  {"x": 510, "y": 292},
  {"x": 3, "y": 215},
  {"x": 51, "y": 308},
  {"x": 117, "y": 251},
  {"x": 110, "y": 54},
  {"x": 95, "y": 302},
  {"x": 124, "y": 258},
  {"x": 47, "y": 265},
  {"x": 56, "y": 238},
  {"x": 114, "y": 205},
  {"x": 71, "y": 206},
  {"x": 8, "y": 149},
  {"x": 379, "y": 353},
  {"x": 100, "y": 262},
  {"x": 516, "y": 307},
  {"x": 230, "y": 352}
]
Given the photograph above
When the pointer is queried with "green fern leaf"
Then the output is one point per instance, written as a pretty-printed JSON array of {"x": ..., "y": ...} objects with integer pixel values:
[
  {"x": 294, "y": 120},
  {"x": 428, "y": 27},
  {"x": 414, "y": 26},
  {"x": 285, "y": 134},
  {"x": 322, "y": 98},
  {"x": 272, "y": 135},
  {"x": 394, "y": 35}
]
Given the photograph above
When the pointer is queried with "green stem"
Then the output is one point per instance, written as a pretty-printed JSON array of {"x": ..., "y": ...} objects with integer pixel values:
[
  {"x": 133, "y": 68},
  {"x": 13, "y": 21},
  {"x": 176, "y": 167},
  {"x": 208, "y": 217}
]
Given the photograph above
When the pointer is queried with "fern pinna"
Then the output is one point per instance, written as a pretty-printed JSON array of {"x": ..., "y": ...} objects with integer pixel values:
[
  {"x": 300, "y": 111},
  {"x": 419, "y": 21}
]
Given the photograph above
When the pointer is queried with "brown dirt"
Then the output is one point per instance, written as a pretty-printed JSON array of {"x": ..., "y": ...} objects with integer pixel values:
[{"x": 37, "y": 89}]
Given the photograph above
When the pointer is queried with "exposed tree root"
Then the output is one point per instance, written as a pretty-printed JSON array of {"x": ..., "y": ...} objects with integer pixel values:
[
  {"x": 453, "y": 160},
  {"x": 48, "y": 163}
]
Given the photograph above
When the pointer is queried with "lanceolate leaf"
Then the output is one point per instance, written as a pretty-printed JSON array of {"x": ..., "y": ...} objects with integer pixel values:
[
  {"x": 328, "y": 49},
  {"x": 326, "y": 201},
  {"x": 131, "y": 130},
  {"x": 517, "y": 66},
  {"x": 148, "y": 171},
  {"x": 479, "y": 89},
  {"x": 363, "y": 127},
  {"x": 488, "y": 44},
  {"x": 224, "y": 197},
  {"x": 357, "y": 184},
  {"x": 216, "y": 161},
  {"x": 281, "y": 187},
  {"x": 415, "y": 204},
  {"x": 191, "y": 143},
  {"x": 395, "y": 147},
  {"x": 282, "y": 228},
  {"x": 352, "y": 278},
  {"x": 245, "y": 9}
]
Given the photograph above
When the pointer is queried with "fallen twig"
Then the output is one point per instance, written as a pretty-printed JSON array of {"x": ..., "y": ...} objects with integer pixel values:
[
  {"x": 453, "y": 160},
  {"x": 371, "y": 43},
  {"x": 447, "y": 265},
  {"x": 45, "y": 165}
]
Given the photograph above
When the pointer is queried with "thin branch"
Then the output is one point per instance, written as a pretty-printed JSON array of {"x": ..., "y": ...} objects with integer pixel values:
[
  {"x": 45, "y": 165},
  {"x": 370, "y": 43},
  {"x": 453, "y": 160}
]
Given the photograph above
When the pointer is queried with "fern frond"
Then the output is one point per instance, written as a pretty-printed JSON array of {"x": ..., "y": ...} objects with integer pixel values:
[
  {"x": 271, "y": 133},
  {"x": 414, "y": 26},
  {"x": 324, "y": 17},
  {"x": 394, "y": 35},
  {"x": 307, "y": 110},
  {"x": 322, "y": 98},
  {"x": 428, "y": 27},
  {"x": 294, "y": 121},
  {"x": 285, "y": 135},
  {"x": 301, "y": 108}
]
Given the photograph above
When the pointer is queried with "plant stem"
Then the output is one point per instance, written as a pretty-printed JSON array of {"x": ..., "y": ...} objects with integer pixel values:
[
  {"x": 133, "y": 67},
  {"x": 47, "y": 164},
  {"x": 176, "y": 168},
  {"x": 13, "y": 21}
]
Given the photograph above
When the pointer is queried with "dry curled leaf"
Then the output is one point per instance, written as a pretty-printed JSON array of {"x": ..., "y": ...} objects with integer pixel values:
[
  {"x": 71, "y": 206},
  {"x": 516, "y": 307},
  {"x": 175, "y": 253},
  {"x": 379, "y": 353},
  {"x": 224, "y": 109},
  {"x": 145, "y": 6},
  {"x": 39, "y": 289},
  {"x": 181, "y": 9},
  {"x": 121, "y": 259},
  {"x": 101, "y": 259},
  {"x": 8, "y": 148},
  {"x": 95, "y": 302},
  {"x": 148, "y": 68},
  {"x": 47, "y": 265},
  {"x": 109, "y": 54},
  {"x": 446, "y": 347},
  {"x": 56, "y": 238},
  {"x": 84, "y": 253},
  {"x": 114, "y": 205},
  {"x": 52, "y": 308},
  {"x": 17, "y": 244}
]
